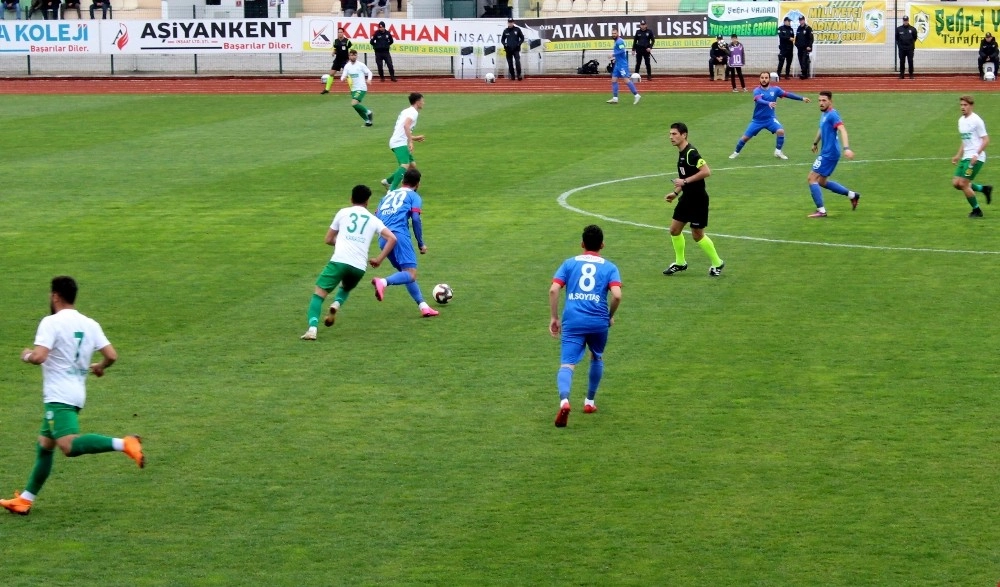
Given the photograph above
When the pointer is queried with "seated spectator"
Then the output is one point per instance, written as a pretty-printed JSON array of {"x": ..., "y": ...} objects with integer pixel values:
[
  {"x": 71, "y": 4},
  {"x": 50, "y": 9},
  {"x": 11, "y": 5},
  {"x": 381, "y": 7},
  {"x": 989, "y": 52},
  {"x": 349, "y": 7},
  {"x": 104, "y": 5}
]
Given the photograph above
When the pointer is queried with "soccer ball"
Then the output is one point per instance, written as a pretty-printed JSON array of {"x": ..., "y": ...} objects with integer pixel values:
[
  {"x": 636, "y": 78},
  {"x": 442, "y": 293},
  {"x": 774, "y": 76},
  {"x": 324, "y": 78},
  {"x": 490, "y": 78}
]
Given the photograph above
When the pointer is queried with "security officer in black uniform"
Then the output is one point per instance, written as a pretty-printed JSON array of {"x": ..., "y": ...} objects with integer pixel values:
[
  {"x": 786, "y": 47},
  {"x": 717, "y": 57},
  {"x": 906, "y": 41},
  {"x": 989, "y": 52},
  {"x": 804, "y": 45},
  {"x": 511, "y": 39},
  {"x": 381, "y": 41},
  {"x": 642, "y": 46}
]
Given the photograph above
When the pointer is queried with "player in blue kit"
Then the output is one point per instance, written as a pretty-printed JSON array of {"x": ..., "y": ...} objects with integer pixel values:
[
  {"x": 620, "y": 69},
  {"x": 765, "y": 103},
  {"x": 587, "y": 315},
  {"x": 830, "y": 125},
  {"x": 398, "y": 209}
]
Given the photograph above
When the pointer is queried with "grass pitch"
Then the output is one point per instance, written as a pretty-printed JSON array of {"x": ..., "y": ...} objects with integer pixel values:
[{"x": 823, "y": 414}]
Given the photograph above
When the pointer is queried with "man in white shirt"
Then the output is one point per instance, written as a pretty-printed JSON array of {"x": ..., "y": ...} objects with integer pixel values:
[
  {"x": 971, "y": 156},
  {"x": 401, "y": 141},
  {"x": 351, "y": 234},
  {"x": 358, "y": 75},
  {"x": 64, "y": 343}
]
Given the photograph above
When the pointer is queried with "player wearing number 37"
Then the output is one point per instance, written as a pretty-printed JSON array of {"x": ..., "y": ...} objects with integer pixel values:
[{"x": 588, "y": 314}]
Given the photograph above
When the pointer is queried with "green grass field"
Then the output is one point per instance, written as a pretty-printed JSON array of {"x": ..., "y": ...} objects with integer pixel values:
[{"x": 823, "y": 414}]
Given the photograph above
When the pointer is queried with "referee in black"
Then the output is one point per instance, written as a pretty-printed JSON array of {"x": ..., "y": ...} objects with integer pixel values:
[
  {"x": 341, "y": 45},
  {"x": 642, "y": 46}
]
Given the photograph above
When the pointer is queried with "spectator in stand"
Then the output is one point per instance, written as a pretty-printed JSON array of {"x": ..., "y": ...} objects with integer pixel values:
[
  {"x": 717, "y": 56},
  {"x": 786, "y": 47},
  {"x": 804, "y": 45},
  {"x": 989, "y": 52},
  {"x": 72, "y": 5},
  {"x": 104, "y": 5},
  {"x": 349, "y": 7},
  {"x": 642, "y": 46},
  {"x": 381, "y": 7},
  {"x": 511, "y": 40},
  {"x": 737, "y": 59},
  {"x": 906, "y": 41},
  {"x": 381, "y": 42},
  {"x": 48, "y": 8},
  {"x": 11, "y": 5}
]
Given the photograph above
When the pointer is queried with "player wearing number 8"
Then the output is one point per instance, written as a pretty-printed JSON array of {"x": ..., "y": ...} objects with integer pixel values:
[{"x": 587, "y": 315}]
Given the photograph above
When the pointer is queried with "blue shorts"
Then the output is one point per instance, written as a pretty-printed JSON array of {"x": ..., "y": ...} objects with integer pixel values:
[
  {"x": 825, "y": 166},
  {"x": 574, "y": 343},
  {"x": 619, "y": 71},
  {"x": 755, "y": 127},
  {"x": 402, "y": 256}
]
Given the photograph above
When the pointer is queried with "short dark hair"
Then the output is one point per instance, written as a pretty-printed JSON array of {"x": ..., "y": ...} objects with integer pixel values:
[
  {"x": 352, "y": 52},
  {"x": 360, "y": 194},
  {"x": 411, "y": 177},
  {"x": 681, "y": 127},
  {"x": 65, "y": 287},
  {"x": 415, "y": 97},
  {"x": 827, "y": 93},
  {"x": 593, "y": 237}
]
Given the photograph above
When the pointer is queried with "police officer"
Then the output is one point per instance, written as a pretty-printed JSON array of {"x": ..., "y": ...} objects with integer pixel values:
[
  {"x": 804, "y": 45},
  {"x": 989, "y": 52},
  {"x": 642, "y": 46},
  {"x": 381, "y": 41},
  {"x": 717, "y": 57},
  {"x": 786, "y": 47},
  {"x": 906, "y": 41},
  {"x": 511, "y": 40}
]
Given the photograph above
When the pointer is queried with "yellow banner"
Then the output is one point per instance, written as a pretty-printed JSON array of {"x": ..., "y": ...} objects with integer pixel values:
[
  {"x": 842, "y": 22},
  {"x": 953, "y": 26}
]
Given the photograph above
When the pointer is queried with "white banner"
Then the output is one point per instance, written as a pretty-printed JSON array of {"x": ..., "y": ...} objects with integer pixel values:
[
  {"x": 201, "y": 36},
  {"x": 54, "y": 37},
  {"x": 425, "y": 36}
]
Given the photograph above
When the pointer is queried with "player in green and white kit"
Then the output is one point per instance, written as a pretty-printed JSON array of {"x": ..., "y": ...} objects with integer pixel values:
[
  {"x": 351, "y": 234},
  {"x": 358, "y": 76},
  {"x": 64, "y": 343},
  {"x": 401, "y": 141},
  {"x": 971, "y": 156}
]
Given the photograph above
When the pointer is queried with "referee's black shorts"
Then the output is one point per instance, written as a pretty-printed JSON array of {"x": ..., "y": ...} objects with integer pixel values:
[{"x": 692, "y": 210}]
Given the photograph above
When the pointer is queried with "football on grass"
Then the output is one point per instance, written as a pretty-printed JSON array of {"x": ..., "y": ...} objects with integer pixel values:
[{"x": 442, "y": 293}]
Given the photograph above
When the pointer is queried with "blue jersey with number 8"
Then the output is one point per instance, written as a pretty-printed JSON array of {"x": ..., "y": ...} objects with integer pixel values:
[{"x": 587, "y": 279}]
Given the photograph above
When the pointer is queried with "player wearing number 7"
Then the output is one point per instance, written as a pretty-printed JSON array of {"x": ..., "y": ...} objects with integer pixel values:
[
  {"x": 588, "y": 313},
  {"x": 350, "y": 234},
  {"x": 64, "y": 343}
]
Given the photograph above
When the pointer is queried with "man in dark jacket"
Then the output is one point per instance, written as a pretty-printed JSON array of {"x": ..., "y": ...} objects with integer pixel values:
[
  {"x": 381, "y": 41},
  {"x": 642, "y": 46},
  {"x": 906, "y": 41},
  {"x": 989, "y": 52},
  {"x": 786, "y": 47},
  {"x": 717, "y": 57},
  {"x": 804, "y": 45},
  {"x": 511, "y": 40}
]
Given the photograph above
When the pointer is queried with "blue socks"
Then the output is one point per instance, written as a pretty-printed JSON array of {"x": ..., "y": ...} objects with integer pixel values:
[
  {"x": 614, "y": 89},
  {"x": 836, "y": 188},
  {"x": 400, "y": 278},
  {"x": 816, "y": 194},
  {"x": 564, "y": 379},
  {"x": 632, "y": 89},
  {"x": 740, "y": 144},
  {"x": 780, "y": 142},
  {"x": 596, "y": 372}
]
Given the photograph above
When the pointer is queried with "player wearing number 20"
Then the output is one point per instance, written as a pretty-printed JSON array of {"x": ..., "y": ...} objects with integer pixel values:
[{"x": 586, "y": 318}]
